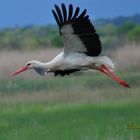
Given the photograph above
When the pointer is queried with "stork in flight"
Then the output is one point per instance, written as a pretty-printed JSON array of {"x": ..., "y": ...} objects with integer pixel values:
[{"x": 82, "y": 47}]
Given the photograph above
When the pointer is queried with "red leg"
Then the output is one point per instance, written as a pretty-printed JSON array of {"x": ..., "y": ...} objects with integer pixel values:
[{"x": 109, "y": 73}]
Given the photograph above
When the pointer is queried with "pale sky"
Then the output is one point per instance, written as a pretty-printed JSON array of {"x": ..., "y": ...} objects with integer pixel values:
[{"x": 38, "y": 12}]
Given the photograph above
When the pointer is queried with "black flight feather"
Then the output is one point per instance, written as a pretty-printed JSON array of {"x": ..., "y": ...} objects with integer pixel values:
[
  {"x": 59, "y": 14},
  {"x": 64, "y": 12},
  {"x": 65, "y": 72},
  {"x": 82, "y": 27},
  {"x": 56, "y": 18},
  {"x": 76, "y": 12},
  {"x": 70, "y": 12},
  {"x": 83, "y": 14}
]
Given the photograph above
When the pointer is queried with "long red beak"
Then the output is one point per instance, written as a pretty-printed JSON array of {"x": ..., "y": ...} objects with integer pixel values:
[
  {"x": 20, "y": 70},
  {"x": 109, "y": 73}
]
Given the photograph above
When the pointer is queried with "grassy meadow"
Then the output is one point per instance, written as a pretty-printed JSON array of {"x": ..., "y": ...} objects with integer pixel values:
[{"x": 83, "y": 106}]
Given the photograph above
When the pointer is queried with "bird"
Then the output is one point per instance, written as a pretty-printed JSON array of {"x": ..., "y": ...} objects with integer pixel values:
[{"x": 82, "y": 47}]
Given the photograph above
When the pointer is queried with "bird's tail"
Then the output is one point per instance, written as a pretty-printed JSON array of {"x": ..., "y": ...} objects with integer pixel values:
[
  {"x": 104, "y": 60},
  {"x": 107, "y": 68}
]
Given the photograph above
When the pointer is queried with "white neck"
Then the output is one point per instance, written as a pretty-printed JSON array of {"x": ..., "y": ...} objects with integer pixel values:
[
  {"x": 47, "y": 65},
  {"x": 51, "y": 64},
  {"x": 58, "y": 60}
]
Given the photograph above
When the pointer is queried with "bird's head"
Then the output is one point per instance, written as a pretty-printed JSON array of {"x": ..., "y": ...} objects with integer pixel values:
[
  {"x": 36, "y": 65},
  {"x": 33, "y": 64}
]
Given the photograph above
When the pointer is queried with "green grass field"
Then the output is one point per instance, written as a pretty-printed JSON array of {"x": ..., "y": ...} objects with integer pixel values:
[{"x": 80, "y": 107}]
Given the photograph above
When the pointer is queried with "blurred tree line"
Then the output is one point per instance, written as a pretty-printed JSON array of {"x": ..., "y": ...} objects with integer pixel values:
[
  {"x": 30, "y": 38},
  {"x": 36, "y": 37},
  {"x": 112, "y": 35}
]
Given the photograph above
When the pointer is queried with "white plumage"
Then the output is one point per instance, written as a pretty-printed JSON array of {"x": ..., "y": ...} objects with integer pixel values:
[{"x": 82, "y": 47}]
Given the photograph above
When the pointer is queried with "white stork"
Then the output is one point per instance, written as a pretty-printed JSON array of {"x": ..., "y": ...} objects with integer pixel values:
[{"x": 82, "y": 47}]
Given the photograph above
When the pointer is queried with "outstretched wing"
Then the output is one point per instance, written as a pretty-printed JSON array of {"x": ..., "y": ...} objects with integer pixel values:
[{"x": 77, "y": 31}]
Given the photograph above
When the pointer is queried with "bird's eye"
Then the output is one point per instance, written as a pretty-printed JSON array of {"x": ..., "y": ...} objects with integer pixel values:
[{"x": 28, "y": 64}]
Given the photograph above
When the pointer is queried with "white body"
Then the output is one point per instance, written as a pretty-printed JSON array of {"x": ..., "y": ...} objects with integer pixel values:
[{"x": 77, "y": 60}]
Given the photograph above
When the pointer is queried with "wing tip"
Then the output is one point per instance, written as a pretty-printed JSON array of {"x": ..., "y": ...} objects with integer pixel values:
[
  {"x": 63, "y": 5},
  {"x": 63, "y": 15}
]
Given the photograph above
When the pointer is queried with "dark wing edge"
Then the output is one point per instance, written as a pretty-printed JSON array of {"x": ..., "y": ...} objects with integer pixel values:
[
  {"x": 65, "y": 72},
  {"x": 61, "y": 17},
  {"x": 81, "y": 26}
]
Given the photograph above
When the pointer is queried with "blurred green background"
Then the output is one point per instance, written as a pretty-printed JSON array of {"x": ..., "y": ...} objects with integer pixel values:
[{"x": 82, "y": 106}]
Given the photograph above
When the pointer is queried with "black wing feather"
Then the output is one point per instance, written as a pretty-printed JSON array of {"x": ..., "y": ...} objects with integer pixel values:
[
  {"x": 59, "y": 13},
  {"x": 82, "y": 27},
  {"x": 64, "y": 12},
  {"x": 76, "y": 13},
  {"x": 83, "y": 14},
  {"x": 56, "y": 18},
  {"x": 88, "y": 36},
  {"x": 70, "y": 12},
  {"x": 65, "y": 72}
]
